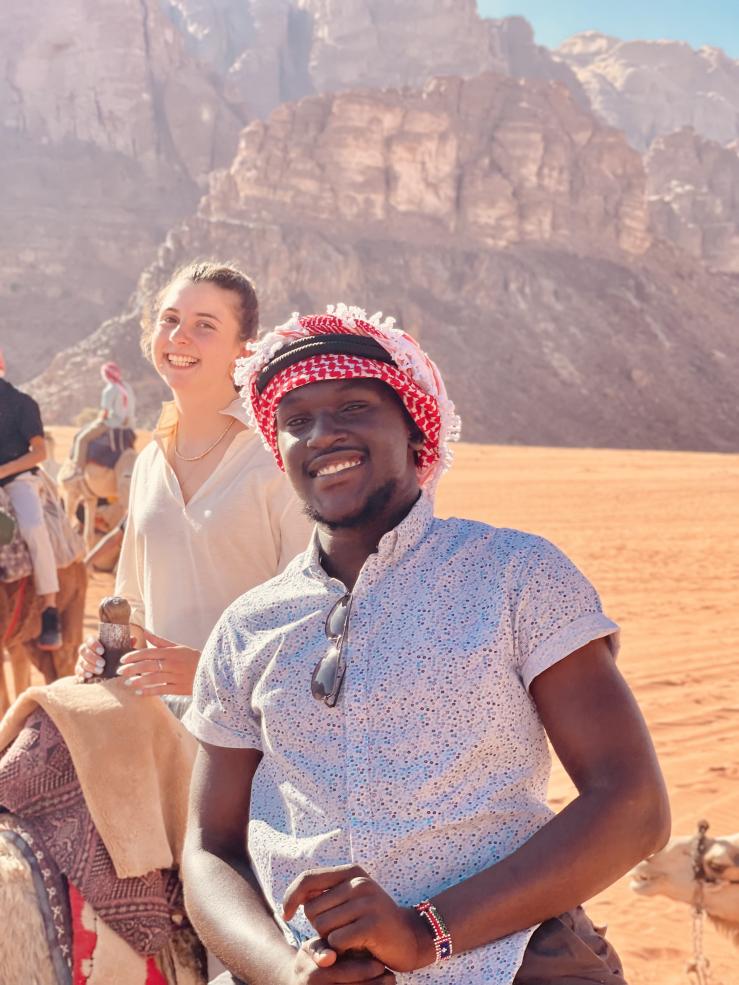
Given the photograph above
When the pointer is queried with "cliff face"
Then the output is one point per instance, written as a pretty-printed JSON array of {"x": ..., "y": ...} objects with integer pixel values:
[
  {"x": 487, "y": 161},
  {"x": 693, "y": 188},
  {"x": 499, "y": 222},
  {"x": 652, "y": 88},
  {"x": 109, "y": 129}
]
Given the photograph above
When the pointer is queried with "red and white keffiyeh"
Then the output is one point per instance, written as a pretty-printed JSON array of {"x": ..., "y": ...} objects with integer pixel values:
[{"x": 414, "y": 377}]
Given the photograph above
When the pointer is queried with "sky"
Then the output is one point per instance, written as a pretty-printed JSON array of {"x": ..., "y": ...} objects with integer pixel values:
[{"x": 714, "y": 22}]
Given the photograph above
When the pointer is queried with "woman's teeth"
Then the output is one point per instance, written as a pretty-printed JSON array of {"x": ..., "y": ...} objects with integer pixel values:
[
  {"x": 338, "y": 467},
  {"x": 181, "y": 361}
]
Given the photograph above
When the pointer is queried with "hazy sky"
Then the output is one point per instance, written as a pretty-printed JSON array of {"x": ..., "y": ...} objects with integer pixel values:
[{"x": 714, "y": 22}]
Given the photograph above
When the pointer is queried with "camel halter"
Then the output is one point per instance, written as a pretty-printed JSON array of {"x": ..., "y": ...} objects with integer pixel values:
[{"x": 699, "y": 969}]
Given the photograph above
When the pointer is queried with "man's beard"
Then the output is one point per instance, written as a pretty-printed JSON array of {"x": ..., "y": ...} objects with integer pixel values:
[{"x": 375, "y": 504}]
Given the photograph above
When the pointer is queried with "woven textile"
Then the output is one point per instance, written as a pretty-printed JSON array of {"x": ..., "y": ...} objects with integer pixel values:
[{"x": 38, "y": 782}]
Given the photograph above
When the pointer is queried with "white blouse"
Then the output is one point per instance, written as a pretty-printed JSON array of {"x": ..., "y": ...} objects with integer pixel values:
[{"x": 182, "y": 564}]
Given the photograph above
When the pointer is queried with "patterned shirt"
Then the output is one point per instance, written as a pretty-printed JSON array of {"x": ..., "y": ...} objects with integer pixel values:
[{"x": 434, "y": 764}]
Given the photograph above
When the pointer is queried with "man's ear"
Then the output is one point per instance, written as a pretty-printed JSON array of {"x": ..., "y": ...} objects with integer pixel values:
[{"x": 416, "y": 438}]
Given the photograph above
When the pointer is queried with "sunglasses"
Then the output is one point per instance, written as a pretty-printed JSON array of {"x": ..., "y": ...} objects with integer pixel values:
[{"x": 329, "y": 673}]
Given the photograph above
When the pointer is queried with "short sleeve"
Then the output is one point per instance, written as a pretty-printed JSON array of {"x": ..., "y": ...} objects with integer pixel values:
[
  {"x": 30, "y": 424},
  {"x": 221, "y": 712},
  {"x": 557, "y": 611}
]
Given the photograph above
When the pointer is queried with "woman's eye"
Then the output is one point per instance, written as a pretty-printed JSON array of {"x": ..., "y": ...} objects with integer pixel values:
[{"x": 205, "y": 324}]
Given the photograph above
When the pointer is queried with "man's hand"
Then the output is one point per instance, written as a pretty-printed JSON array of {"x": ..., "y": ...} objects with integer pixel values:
[
  {"x": 163, "y": 668},
  {"x": 351, "y": 912},
  {"x": 317, "y": 964}
]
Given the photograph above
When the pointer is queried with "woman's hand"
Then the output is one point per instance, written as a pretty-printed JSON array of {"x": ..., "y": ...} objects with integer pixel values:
[
  {"x": 163, "y": 668},
  {"x": 90, "y": 660}
]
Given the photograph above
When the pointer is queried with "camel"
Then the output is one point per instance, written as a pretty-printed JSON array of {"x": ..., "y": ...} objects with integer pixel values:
[
  {"x": 20, "y": 625},
  {"x": 97, "y": 482},
  {"x": 24, "y": 949},
  {"x": 670, "y": 873}
]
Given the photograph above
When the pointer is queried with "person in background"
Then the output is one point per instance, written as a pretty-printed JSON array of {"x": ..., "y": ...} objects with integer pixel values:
[
  {"x": 117, "y": 411},
  {"x": 22, "y": 449}
]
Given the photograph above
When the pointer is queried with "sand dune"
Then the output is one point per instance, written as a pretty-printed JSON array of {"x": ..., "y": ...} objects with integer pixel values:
[{"x": 657, "y": 533}]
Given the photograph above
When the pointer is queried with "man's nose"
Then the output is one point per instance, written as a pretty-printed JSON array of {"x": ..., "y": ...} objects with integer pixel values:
[{"x": 325, "y": 430}]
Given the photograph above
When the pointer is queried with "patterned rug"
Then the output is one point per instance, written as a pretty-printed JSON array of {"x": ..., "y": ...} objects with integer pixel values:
[{"x": 38, "y": 783}]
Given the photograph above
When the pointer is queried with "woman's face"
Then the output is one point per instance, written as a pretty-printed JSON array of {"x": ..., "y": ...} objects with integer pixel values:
[{"x": 196, "y": 336}]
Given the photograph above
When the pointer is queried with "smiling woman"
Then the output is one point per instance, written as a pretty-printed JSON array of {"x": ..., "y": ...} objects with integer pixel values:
[{"x": 210, "y": 515}]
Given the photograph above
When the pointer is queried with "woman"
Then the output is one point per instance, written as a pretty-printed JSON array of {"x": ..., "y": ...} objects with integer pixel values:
[{"x": 210, "y": 514}]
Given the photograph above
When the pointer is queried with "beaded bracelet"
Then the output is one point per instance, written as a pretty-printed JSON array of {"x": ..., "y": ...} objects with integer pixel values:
[{"x": 440, "y": 931}]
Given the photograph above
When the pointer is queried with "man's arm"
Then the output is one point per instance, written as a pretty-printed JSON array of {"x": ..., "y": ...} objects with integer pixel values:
[
  {"x": 223, "y": 898},
  {"x": 32, "y": 458},
  {"x": 621, "y": 814}
]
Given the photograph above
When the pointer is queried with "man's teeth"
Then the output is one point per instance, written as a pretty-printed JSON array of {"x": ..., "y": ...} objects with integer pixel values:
[
  {"x": 338, "y": 467},
  {"x": 181, "y": 360}
]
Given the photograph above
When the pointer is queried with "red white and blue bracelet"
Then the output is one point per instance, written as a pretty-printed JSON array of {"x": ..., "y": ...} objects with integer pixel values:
[{"x": 440, "y": 931}]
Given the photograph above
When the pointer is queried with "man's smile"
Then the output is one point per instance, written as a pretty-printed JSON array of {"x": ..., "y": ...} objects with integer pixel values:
[{"x": 334, "y": 463}]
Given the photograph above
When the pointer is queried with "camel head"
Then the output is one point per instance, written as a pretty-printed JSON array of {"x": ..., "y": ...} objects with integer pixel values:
[{"x": 670, "y": 873}]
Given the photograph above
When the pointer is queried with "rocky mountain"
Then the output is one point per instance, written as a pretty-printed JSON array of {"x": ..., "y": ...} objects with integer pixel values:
[
  {"x": 693, "y": 189},
  {"x": 499, "y": 221},
  {"x": 652, "y": 88},
  {"x": 108, "y": 130},
  {"x": 112, "y": 114}
]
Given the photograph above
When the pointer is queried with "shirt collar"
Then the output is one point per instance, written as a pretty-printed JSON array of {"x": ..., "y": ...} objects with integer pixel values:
[
  {"x": 168, "y": 417},
  {"x": 393, "y": 545}
]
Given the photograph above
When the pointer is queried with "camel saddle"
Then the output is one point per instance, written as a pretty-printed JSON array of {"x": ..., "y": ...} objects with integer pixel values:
[
  {"x": 108, "y": 448},
  {"x": 15, "y": 559}
]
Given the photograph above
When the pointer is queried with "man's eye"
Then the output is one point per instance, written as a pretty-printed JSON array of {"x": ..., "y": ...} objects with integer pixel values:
[
  {"x": 355, "y": 405},
  {"x": 295, "y": 422}
]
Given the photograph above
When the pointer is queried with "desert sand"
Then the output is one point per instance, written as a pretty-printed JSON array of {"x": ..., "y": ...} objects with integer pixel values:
[{"x": 657, "y": 533}]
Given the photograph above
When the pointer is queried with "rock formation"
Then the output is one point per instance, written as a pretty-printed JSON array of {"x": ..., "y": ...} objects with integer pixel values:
[
  {"x": 109, "y": 129},
  {"x": 500, "y": 222},
  {"x": 693, "y": 188},
  {"x": 652, "y": 88}
]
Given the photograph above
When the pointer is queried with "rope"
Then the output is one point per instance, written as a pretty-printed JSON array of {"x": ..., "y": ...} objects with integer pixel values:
[{"x": 699, "y": 969}]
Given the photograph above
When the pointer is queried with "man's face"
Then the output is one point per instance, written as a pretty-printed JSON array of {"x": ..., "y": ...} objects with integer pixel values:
[{"x": 348, "y": 450}]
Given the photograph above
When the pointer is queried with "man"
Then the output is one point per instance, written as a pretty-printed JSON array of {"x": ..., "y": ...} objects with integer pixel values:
[
  {"x": 22, "y": 449},
  {"x": 381, "y": 710},
  {"x": 117, "y": 410}
]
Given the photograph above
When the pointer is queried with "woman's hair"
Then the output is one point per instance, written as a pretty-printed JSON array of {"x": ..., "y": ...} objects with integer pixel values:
[{"x": 224, "y": 275}]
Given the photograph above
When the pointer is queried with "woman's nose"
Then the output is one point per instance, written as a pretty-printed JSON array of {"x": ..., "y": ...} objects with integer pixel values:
[{"x": 178, "y": 333}]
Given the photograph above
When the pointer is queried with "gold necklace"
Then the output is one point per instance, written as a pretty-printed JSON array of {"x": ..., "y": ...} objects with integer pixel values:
[{"x": 196, "y": 458}]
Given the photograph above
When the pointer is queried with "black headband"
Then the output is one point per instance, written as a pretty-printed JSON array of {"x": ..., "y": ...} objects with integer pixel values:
[{"x": 333, "y": 343}]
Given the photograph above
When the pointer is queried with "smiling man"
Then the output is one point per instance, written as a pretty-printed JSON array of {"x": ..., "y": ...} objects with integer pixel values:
[{"x": 378, "y": 713}]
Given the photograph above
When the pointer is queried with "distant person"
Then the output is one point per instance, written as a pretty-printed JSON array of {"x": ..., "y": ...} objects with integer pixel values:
[
  {"x": 117, "y": 411},
  {"x": 376, "y": 716},
  {"x": 22, "y": 449}
]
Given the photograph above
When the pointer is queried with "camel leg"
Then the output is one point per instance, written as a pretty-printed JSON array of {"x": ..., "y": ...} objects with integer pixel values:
[
  {"x": 4, "y": 695},
  {"x": 91, "y": 505},
  {"x": 20, "y": 662}
]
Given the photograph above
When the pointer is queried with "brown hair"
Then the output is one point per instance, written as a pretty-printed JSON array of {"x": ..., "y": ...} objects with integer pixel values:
[{"x": 224, "y": 275}]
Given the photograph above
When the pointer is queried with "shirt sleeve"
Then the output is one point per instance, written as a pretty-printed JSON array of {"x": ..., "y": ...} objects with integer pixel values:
[
  {"x": 557, "y": 611},
  {"x": 129, "y": 579},
  {"x": 221, "y": 712},
  {"x": 29, "y": 420}
]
